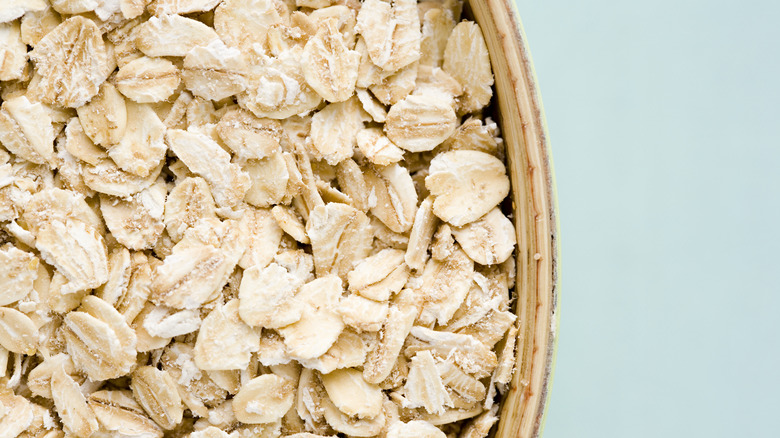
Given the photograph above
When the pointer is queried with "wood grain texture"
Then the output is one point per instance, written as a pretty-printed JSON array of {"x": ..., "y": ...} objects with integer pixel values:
[{"x": 523, "y": 128}]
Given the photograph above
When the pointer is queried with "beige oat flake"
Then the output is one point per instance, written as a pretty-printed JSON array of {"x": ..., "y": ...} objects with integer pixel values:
[
  {"x": 13, "y": 53},
  {"x": 199, "y": 265},
  {"x": 473, "y": 174},
  {"x": 339, "y": 238},
  {"x": 181, "y": 7},
  {"x": 26, "y": 130},
  {"x": 489, "y": 240},
  {"x": 172, "y": 35},
  {"x": 466, "y": 59},
  {"x": 14, "y": 9},
  {"x": 104, "y": 118},
  {"x": 224, "y": 341},
  {"x": 17, "y": 414},
  {"x": 146, "y": 80},
  {"x": 72, "y": 61},
  {"x": 264, "y": 399},
  {"x": 421, "y": 122},
  {"x": 117, "y": 411},
  {"x": 395, "y": 194},
  {"x": 334, "y": 129},
  {"x": 267, "y": 296},
  {"x": 18, "y": 271},
  {"x": 205, "y": 157},
  {"x": 76, "y": 415},
  {"x": 136, "y": 223},
  {"x": 319, "y": 325},
  {"x": 329, "y": 66},
  {"x": 248, "y": 136},
  {"x": 214, "y": 71},
  {"x": 414, "y": 429},
  {"x": 188, "y": 203},
  {"x": 391, "y": 32},
  {"x": 99, "y": 340},
  {"x": 245, "y": 23},
  {"x": 156, "y": 392},
  {"x": 141, "y": 149},
  {"x": 18, "y": 333}
]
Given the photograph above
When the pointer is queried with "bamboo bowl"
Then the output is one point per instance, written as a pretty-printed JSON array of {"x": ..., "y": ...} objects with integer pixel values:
[{"x": 519, "y": 109}]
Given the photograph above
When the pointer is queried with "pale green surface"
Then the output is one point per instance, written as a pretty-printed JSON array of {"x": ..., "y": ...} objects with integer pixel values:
[{"x": 664, "y": 119}]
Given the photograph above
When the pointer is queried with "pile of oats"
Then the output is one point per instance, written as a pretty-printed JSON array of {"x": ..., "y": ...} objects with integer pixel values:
[{"x": 250, "y": 218}]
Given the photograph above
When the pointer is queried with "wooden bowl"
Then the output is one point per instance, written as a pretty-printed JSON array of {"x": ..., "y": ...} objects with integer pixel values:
[{"x": 533, "y": 190}]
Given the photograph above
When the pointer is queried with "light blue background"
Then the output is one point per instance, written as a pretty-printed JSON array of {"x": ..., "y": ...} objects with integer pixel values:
[{"x": 664, "y": 118}]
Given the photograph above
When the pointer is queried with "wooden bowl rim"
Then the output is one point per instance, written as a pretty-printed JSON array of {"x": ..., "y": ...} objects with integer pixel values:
[{"x": 529, "y": 391}]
